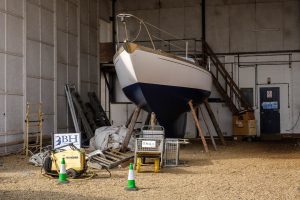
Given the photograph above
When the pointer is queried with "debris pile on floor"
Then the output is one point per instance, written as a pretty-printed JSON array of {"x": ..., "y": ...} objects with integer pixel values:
[{"x": 107, "y": 137}]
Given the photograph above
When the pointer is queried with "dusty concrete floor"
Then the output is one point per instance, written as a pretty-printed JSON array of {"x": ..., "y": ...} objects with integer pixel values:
[{"x": 239, "y": 171}]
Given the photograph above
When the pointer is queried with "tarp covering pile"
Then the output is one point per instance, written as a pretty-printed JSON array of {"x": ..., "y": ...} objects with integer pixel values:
[{"x": 110, "y": 137}]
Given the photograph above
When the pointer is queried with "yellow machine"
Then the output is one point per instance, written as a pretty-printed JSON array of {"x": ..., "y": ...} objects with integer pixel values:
[{"x": 74, "y": 158}]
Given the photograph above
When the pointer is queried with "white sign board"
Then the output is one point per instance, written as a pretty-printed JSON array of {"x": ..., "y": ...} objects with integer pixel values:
[
  {"x": 62, "y": 139},
  {"x": 269, "y": 94},
  {"x": 148, "y": 144}
]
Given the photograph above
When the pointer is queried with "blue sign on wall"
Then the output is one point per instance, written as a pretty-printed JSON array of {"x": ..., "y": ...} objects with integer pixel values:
[{"x": 270, "y": 105}]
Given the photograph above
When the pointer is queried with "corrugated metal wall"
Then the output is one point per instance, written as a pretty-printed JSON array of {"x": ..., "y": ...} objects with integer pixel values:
[{"x": 44, "y": 44}]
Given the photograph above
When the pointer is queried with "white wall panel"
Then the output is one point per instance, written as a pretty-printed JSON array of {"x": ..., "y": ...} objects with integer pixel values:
[
  {"x": 48, "y": 4},
  {"x": 137, "y": 5},
  {"x": 14, "y": 40},
  {"x": 119, "y": 113},
  {"x": 93, "y": 44},
  {"x": 2, "y": 33},
  {"x": 84, "y": 67},
  {"x": 242, "y": 26},
  {"x": 47, "y": 26},
  {"x": 61, "y": 15},
  {"x": 2, "y": 114},
  {"x": 15, "y": 6},
  {"x": 62, "y": 112},
  {"x": 62, "y": 78},
  {"x": 94, "y": 87},
  {"x": 278, "y": 74},
  {"x": 14, "y": 137},
  {"x": 14, "y": 110},
  {"x": 44, "y": 25},
  {"x": 47, "y": 96},
  {"x": 33, "y": 58},
  {"x": 291, "y": 17},
  {"x": 73, "y": 50},
  {"x": 33, "y": 21},
  {"x": 33, "y": 89},
  {"x": 84, "y": 38},
  {"x": 174, "y": 24},
  {"x": 14, "y": 75},
  {"x": 84, "y": 87},
  {"x": 73, "y": 75},
  {"x": 217, "y": 27},
  {"x": 48, "y": 127},
  {"x": 2, "y": 73},
  {"x": 93, "y": 21},
  {"x": 269, "y": 26},
  {"x": 2, "y": 4},
  {"x": 246, "y": 75},
  {"x": 62, "y": 47},
  {"x": 192, "y": 15},
  {"x": 295, "y": 93},
  {"x": 72, "y": 26},
  {"x": 47, "y": 61},
  {"x": 84, "y": 11},
  {"x": 93, "y": 69},
  {"x": 37, "y": 2}
]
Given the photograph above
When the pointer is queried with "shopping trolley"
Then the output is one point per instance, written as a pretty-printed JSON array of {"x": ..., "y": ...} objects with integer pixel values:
[{"x": 149, "y": 144}]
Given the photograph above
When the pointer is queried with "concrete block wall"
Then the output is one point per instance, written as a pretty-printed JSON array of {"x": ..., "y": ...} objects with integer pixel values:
[{"x": 44, "y": 44}]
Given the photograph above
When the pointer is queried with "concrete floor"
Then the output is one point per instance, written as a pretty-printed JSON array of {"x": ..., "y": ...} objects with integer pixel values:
[{"x": 241, "y": 170}]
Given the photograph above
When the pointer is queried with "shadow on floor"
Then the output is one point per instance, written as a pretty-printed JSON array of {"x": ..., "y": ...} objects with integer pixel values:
[{"x": 19, "y": 194}]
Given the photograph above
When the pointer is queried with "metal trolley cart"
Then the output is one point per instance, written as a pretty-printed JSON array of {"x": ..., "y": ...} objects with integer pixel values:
[{"x": 149, "y": 144}]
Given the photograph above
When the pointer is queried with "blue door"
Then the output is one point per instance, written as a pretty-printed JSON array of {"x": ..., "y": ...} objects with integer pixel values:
[{"x": 269, "y": 110}]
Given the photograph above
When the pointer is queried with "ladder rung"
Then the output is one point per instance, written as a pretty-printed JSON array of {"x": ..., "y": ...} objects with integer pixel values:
[
  {"x": 32, "y": 126},
  {"x": 33, "y": 121},
  {"x": 31, "y": 133}
]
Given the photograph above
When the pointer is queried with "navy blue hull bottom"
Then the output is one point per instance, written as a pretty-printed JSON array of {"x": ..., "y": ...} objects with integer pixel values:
[{"x": 169, "y": 103}]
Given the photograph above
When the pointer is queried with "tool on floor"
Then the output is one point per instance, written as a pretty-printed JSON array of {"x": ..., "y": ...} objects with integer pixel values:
[
  {"x": 131, "y": 181},
  {"x": 74, "y": 157},
  {"x": 62, "y": 178},
  {"x": 33, "y": 140}
]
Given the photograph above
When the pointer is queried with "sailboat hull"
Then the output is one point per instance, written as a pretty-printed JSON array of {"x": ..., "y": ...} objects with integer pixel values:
[{"x": 162, "y": 84}]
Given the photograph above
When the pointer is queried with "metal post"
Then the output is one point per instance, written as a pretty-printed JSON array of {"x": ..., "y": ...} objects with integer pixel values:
[
  {"x": 113, "y": 19},
  {"x": 203, "y": 33},
  {"x": 186, "y": 49}
]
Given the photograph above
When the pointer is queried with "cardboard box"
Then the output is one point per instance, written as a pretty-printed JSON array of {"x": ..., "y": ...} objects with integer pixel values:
[{"x": 243, "y": 127}]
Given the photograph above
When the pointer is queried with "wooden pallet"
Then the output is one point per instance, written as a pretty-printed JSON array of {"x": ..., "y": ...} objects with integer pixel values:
[{"x": 110, "y": 158}]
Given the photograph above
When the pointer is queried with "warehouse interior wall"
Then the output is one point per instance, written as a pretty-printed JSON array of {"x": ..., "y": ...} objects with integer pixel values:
[
  {"x": 243, "y": 33},
  {"x": 231, "y": 25},
  {"x": 45, "y": 44}
]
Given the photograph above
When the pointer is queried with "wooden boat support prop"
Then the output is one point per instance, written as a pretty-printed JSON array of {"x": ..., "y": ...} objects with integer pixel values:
[
  {"x": 208, "y": 129},
  {"x": 130, "y": 129},
  {"x": 214, "y": 122},
  {"x": 198, "y": 126}
]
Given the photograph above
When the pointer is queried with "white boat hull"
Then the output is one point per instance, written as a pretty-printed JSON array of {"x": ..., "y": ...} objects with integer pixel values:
[{"x": 162, "y": 84}]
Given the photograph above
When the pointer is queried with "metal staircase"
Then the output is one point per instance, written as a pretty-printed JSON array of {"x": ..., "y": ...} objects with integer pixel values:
[{"x": 224, "y": 83}]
